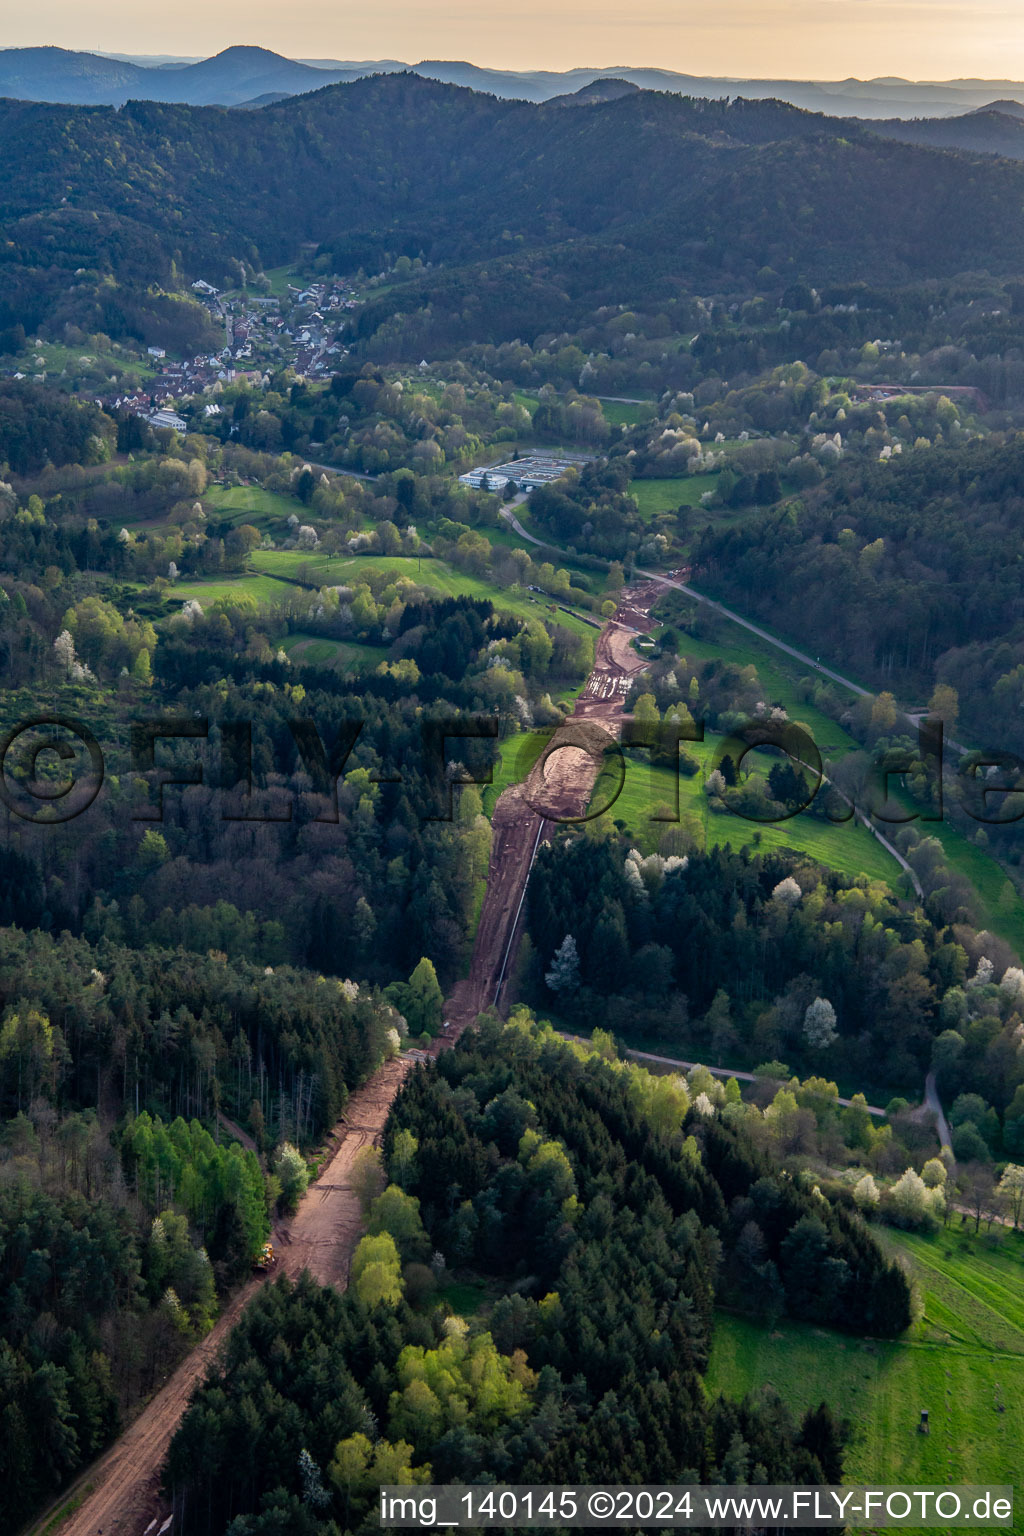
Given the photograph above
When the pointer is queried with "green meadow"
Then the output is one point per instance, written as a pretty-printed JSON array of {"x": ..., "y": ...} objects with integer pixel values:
[
  {"x": 348, "y": 656},
  {"x": 83, "y": 363},
  {"x": 1000, "y": 909},
  {"x": 647, "y": 793},
  {"x": 627, "y": 413},
  {"x": 516, "y": 756},
  {"x": 251, "y": 504},
  {"x": 248, "y": 586},
  {"x": 335, "y": 570},
  {"x": 963, "y": 1361},
  {"x": 665, "y": 495}
]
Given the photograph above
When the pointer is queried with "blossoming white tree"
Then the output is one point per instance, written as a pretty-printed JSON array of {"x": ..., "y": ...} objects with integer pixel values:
[{"x": 820, "y": 1024}]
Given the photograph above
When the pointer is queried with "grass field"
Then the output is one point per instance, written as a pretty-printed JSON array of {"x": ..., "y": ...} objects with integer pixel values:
[
  {"x": 509, "y": 769},
  {"x": 627, "y": 413},
  {"x": 336, "y": 570},
  {"x": 1001, "y": 908},
  {"x": 845, "y": 847},
  {"x": 64, "y": 361},
  {"x": 779, "y": 680},
  {"x": 666, "y": 495},
  {"x": 279, "y": 277},
  {"x": 237, "y": 504},
  {"x": 251, "y": 504},
  {"x": 963, "y": 1361},
  {"x": 999, "y": 911},
  {"x": 313, "y": 649},
  {"x": 229, "y": 589},
  {"x": 347, "y": 656}
]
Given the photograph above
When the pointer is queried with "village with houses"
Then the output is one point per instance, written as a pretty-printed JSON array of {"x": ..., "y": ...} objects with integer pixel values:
[{"x": 263, "y": 333}]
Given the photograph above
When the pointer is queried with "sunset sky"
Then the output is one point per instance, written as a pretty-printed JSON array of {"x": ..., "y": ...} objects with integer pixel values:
[{"x": 799, "y": 39}]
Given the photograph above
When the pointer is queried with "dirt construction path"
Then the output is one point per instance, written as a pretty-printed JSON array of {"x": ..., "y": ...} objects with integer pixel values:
[
  {"x": 327, "y": 1226},
  {"x": 320, "y": 1237},
  {"x": 558, "y": 788}
]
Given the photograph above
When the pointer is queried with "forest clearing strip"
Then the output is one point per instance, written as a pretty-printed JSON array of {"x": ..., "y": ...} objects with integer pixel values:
[
  {"x": 515, "y": 921},
  {"x": 557, "y": 789},
  {"x": 320, "y": 1237}
]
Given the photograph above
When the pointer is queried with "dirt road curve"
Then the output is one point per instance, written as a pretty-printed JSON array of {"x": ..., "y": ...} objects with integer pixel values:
[
  {"x": 558, "y": 787},
  {"x": 320, "y": 1238}
]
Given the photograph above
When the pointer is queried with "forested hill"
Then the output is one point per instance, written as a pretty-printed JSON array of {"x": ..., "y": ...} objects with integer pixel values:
[
  {"x": 908, "y": 571},
  {"x": 997, "y": 130},
  {"x": 686, "y": 189}
]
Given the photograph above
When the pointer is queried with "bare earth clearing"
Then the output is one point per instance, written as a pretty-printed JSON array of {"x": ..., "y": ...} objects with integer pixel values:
[
  {"x": 327, "y": 1226},
  {"x": 558, "y": 788}
]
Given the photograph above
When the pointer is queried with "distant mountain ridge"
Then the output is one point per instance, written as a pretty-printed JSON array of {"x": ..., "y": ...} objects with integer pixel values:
[
  {"x": 994, "y": 130},
  {"x": 1009, "y": 108},
  {"x": 526, "y": 217},
  {"x": 236, "y": 75},
  {"x": 241, "y": 74},
  {"x": 598, "y": 90},
  {"x": 653, "y": 185}
]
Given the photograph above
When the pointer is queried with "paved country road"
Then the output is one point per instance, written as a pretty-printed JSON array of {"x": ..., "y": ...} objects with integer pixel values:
[
  {"x": 755, "y": 629},
  {"x": 743, "y": 1077},
  {"x": 729, "y": 613},
  {"x": 688, "y": 1066},
  {"x": 934, "y": 1103}
]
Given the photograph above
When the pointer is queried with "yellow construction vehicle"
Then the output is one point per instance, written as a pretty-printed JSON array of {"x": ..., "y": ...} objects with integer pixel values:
[{"x": 266, "y": 1258}]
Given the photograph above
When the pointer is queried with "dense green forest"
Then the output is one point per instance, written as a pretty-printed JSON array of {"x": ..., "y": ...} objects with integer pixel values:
[
  {"x": 117, "y": 1248},
  {"x": 35, "y": 429},
  {"x": 312, "y": 658},
  {"x": 182, "y": 1032},
  {"x": 399, "y": 164},
  {"x": 906, "y": 570},
  {"x": 602, "y": 1241},
  {"x": 230, "y": 958},
  {"x": 726, "y": 953}
]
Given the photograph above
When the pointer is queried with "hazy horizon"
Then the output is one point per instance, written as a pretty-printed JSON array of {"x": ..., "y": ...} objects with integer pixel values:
[
  {"x": 167, "y": 56},
  {"x": 809, "y": 40}
]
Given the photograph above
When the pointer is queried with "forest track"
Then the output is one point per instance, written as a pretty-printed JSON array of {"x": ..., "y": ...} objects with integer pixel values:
[
  {"x": 558, "y": 788},
  {"x": 323, "y": 1233},
  {"x": 320, "y": 1237},
  {"x": 236, "y": 1131}
]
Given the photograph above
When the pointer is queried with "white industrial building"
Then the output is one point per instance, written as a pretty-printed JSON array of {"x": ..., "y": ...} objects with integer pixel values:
[
  {"x": 527, "y": 473},
  {"x": 167, "y": 418}
]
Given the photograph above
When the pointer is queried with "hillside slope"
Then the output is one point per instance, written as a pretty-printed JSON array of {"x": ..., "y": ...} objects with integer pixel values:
[
  {"x": 660, "y": 189},
  {"x": 994, "y": 130}
]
